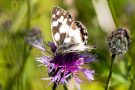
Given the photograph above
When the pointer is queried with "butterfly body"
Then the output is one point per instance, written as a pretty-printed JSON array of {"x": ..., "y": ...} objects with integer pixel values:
[{"x": 68, "y": 35}]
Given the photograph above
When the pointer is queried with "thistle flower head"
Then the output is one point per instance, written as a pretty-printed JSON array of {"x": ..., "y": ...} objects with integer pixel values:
[
  {"x": 119, "y": 41},
  {"x": 63, "y": 66}
]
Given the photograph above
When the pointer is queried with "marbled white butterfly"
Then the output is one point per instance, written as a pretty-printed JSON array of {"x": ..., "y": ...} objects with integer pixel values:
[{"x": 68, "y": 35}]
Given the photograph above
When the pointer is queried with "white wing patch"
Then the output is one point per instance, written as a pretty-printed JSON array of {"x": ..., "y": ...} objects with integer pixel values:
[
  {"x": 65, "y": 21},
  {"x": 54, "y": 23},
  {"x": 53, "y": 16},
  {"x": 67, "y": 40},
  {"x": 58, "y": 12},
  {"x": 61, "y": 19},
  {"x": 64, "y": 28},
  {"x": 77, "y": 36},
  {"x": 57, "y": 36}
]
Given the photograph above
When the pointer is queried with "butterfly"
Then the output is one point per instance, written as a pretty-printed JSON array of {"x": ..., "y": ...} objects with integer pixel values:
[{"x": 68, "y": 35}]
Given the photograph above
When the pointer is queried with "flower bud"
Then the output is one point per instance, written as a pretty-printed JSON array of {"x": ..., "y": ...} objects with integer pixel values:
[
  {"x": 119, "y": 41},
  {"x": 33, "y": 35}
]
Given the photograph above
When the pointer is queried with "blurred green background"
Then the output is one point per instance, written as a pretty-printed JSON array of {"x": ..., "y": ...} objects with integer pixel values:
[{"x": 18, "y": 67}]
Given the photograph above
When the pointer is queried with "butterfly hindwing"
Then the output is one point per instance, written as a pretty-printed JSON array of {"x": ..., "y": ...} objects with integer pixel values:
[
  {"x": 76, "y": 38},
  {"x": 68, "y": 35}
]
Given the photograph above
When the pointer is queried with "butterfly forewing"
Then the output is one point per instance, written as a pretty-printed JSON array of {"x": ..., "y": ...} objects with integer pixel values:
[
  {"x": 68, "y": 35},
  {"x": 61, "y": 23}
]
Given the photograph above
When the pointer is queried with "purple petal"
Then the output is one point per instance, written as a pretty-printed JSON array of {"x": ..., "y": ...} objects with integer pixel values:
[
  {"x": 91, "y": 58},
  {"x": 68, "y": 75},
  {"x": 57, "y": 76},
  {"x": 88, "y": 57},
  {"x": 44, "y": 60},
  {"x": 80, "y": 61},
  {"x": 52, "y": 65},
  {"x": 50, "y": 69},
  {"x": 77, "y": 84},
  {"x": 38, "y": 45},
  {"x": 63, "y": 80},
  {"x": 53, "y": 47},
  {"x": 78, "y": 80},
  {"x": 89, "y": 74}
]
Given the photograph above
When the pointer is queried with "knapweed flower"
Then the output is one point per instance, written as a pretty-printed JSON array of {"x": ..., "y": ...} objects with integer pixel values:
[
  {"x": 119, "y": 41},
  {"x": 64, "y": 66}
]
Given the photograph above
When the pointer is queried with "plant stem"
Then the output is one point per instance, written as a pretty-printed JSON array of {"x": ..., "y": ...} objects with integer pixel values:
[
  {"x": 28, "y": 14},
  {"x": 132, "y": 82},
  {"x": 54, "y": 86},
  {"x": 113, "y": 13},
  {"x": 65, "y": 87},
  {"x": 12, "y": 81},
  {"x": 110, "y": 73}
]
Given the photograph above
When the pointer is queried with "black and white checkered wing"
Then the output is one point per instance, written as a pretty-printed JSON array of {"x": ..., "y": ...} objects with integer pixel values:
[
  {"x": 68, "y": 35},
  {"x": 61, "y": 22}
]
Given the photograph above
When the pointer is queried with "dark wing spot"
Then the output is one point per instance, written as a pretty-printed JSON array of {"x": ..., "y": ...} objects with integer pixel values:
[{"x": 83, "y": 31}]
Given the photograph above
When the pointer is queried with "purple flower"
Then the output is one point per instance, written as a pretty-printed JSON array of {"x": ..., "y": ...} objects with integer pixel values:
[{"x": 63, "y": 66}]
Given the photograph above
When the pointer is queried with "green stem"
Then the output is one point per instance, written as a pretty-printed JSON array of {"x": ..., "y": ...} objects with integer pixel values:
[
  {"x": 13, "y": 80},
  {"x": 65, "y": 87},
  {"x": 110, "y": 73},
  {"x": 113, "y": 13},
  {"x": 26, "y": 53},
  {"x": 132, "y": 82},
  {"x": 28, "y": 15},
  {"x": 54, "y": 86}
]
